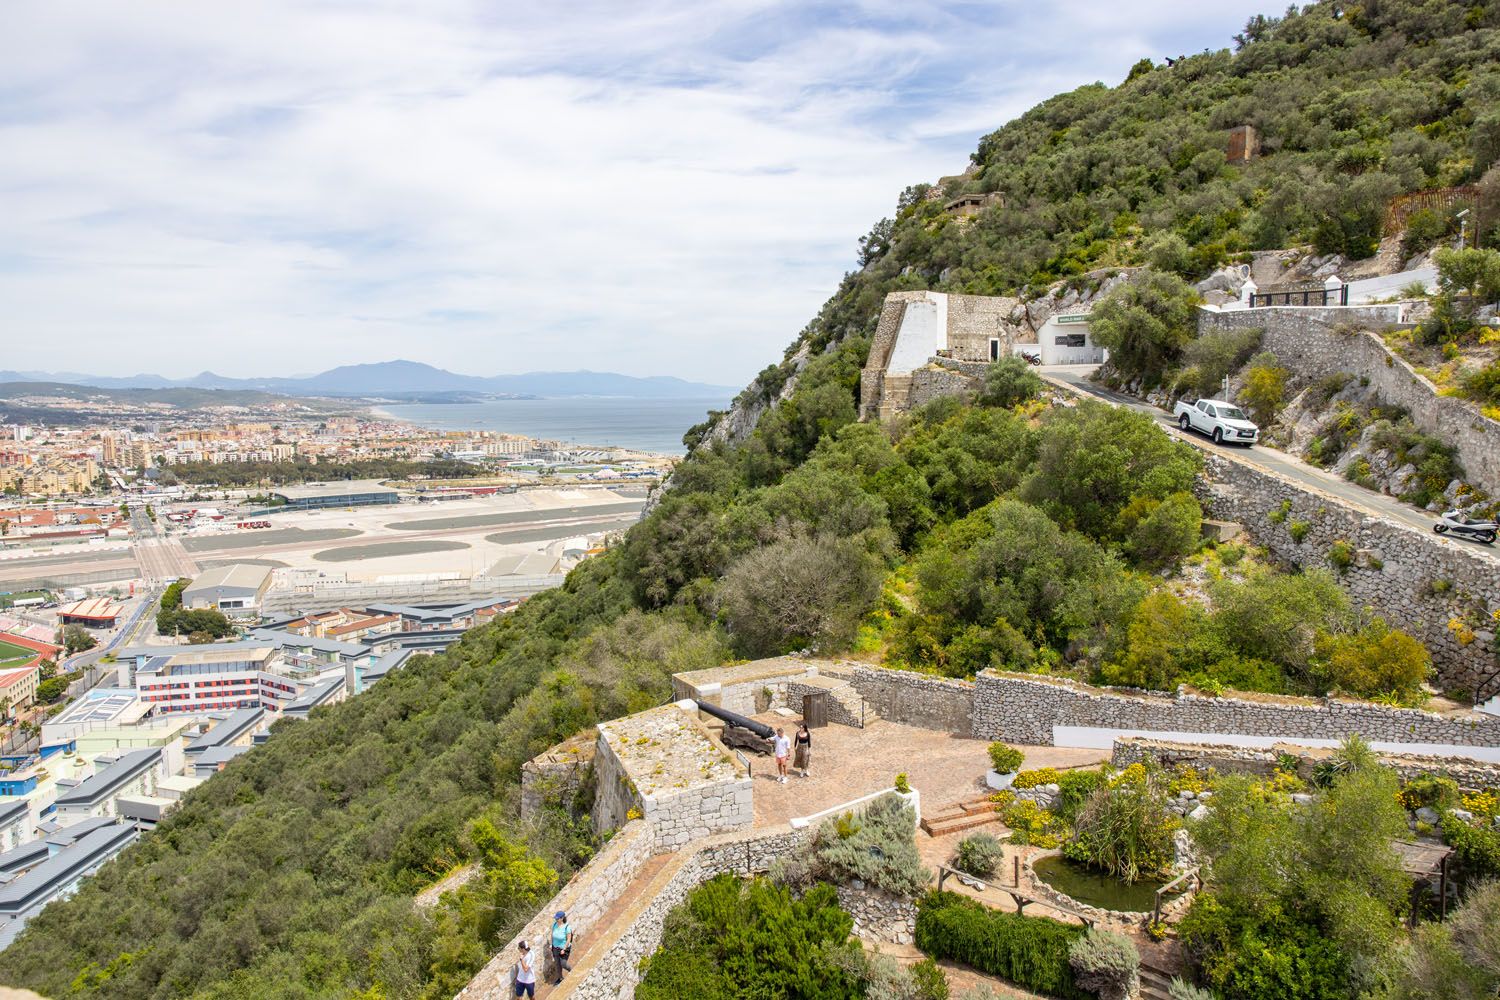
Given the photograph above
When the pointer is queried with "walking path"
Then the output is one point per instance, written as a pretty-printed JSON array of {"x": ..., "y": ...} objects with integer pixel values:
[{"x": 1077, "y": 377}]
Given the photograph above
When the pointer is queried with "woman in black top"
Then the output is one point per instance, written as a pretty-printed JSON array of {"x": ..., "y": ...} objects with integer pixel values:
[{"x": 803, "y": 746}]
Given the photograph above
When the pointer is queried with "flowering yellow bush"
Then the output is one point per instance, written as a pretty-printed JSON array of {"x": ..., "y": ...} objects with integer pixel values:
[
  {"x": 1484, "y": 803},
  {"x": 1031, "y": 824},
  {"x": 1189, "y": 779},
  {"x": 1037, "y": 777}
]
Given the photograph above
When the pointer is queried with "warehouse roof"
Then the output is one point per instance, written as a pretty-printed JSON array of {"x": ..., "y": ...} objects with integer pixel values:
[
  {"x": 353, "y": 487},
  {"x": 247, "y": 575}
]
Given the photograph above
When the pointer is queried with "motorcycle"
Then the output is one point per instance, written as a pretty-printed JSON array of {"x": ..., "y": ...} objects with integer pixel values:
[
  {"x": 1459, "y": 525},
  {"x": 1034, "y": 360}
]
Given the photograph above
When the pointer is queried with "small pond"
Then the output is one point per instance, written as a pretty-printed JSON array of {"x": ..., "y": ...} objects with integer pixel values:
[{"x": 1091, "y": 888}]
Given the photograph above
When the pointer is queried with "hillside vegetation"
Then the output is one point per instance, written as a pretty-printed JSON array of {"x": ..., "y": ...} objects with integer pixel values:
[{"x": 1004, "y": 533}]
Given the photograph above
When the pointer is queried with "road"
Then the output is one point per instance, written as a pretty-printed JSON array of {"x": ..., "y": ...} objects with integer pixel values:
[
  {"x": 1270, "y": 459},
  {"x": 160, "y": 559}
]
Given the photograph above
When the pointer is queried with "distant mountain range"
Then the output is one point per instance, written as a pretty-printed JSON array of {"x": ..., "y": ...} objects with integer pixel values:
[{"x": 405, "y": 379}]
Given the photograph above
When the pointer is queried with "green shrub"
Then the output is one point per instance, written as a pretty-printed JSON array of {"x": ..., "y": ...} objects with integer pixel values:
[
  {"x": 928, "y": 981},
  {"x": 1104, "y": 962},
  {"x": 877, "y": 847},
  {"x": 729, "y": 932},
  {"x": 1433, "y": 791},
  {"x": 1341, "y": 555},
  {"x": 1298, "y": 530},
  {"x": 1075, "y": 789},
  {"x": 1168, "y": 533},
  {"x": 979, "y": 855},
  {"x": 1008, "y": 382},
  {"x": 1124, "y": 829},
  {"x": 1031, "y": 952},
  {"x": 1005, "y": 758}
]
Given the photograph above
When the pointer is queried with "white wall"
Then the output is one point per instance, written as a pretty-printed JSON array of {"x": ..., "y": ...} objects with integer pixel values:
[
  {"x": 924, "y": 331},
  {"x": 1052, "y": 354}
]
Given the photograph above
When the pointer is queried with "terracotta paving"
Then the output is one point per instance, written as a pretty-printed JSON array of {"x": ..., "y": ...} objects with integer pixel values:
[{"x": 848, "y": 763}]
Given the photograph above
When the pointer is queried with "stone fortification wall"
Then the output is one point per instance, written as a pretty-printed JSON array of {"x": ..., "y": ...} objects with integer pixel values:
[
  {"x": 913, "y": 699},
  {"x": 1315, "y": 343},
  {"x": 610, "y": 968},
  {"x": 556, "y": 776},
  {"x": 588, "y": 895},
  {"x": 615, "y": 794},
  {"x": 935, "y": 382},
  {"x": 1440, "y": 591},
  {"x": 1471, "y": 775},
  {"x": 840, "y": 712},
  {"x": 973, "y": 320},
  {"x": 1024, "y": 708},
  {"x": 749, "y": 688},
  {"x": 892, "y": 312}
]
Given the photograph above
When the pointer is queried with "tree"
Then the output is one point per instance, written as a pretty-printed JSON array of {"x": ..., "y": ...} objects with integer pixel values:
[
  {"x": 800, "y": 591},
  {"x": 1145, "y": 323},
  {"x": 874, "y": 245},
  {"x": 77, "y": 639},
  {"x": 1169, "y": 532},
  {"x": 1265, "y": 388},
  {"x": 1377, "y": 660},
  {"x": 1093, "y": 459},
  {"x": 1469, "y": 272},
  {"x": 1009, "y": 382}
]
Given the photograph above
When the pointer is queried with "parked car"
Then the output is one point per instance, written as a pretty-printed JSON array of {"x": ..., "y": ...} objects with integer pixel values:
[{"x": 1224, "y": 422}]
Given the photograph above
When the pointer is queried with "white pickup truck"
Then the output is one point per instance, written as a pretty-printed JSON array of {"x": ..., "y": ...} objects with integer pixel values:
[{"x": 1224, "y": 422}]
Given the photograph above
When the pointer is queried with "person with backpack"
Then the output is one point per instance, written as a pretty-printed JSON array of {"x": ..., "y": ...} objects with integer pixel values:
[{"x": 525, "y": 973}]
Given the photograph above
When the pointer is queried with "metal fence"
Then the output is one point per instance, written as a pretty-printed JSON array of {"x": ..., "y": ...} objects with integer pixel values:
[{"x": 1313, "y": 295}]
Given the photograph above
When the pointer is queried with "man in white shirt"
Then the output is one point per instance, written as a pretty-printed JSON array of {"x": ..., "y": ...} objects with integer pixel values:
[{"x": 783, "y": 751}]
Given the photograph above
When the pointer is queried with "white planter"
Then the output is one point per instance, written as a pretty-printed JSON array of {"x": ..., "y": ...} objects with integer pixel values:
[{"x": 999, "y": 782}]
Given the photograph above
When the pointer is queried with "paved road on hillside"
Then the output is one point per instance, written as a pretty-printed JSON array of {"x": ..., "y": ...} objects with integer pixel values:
[{"x": 1077, "y": 376}]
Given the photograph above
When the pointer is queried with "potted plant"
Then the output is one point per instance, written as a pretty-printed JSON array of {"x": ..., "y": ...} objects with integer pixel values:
[{"x": 1005, "y": 761}]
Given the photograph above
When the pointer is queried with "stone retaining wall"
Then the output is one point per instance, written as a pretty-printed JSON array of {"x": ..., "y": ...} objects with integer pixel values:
[
  {"x": 1416, "y": 580},
  {"x": 1315, "y": 343},
  {"x": 588, "y": 895},
  {"x": 612, "y": 971},
  {"x": 1471, "y": 775},
  {"x": 879, "y": 916},
  {"x": 1024, "y": 708},
  {"x": 913, "y": 699}
]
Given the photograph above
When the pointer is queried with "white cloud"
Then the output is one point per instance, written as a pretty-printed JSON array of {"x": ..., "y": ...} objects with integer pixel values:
[{"x": 655, "y": 188}]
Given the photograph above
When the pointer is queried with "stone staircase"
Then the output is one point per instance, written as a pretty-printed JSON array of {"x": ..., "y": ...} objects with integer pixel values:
[
  {"x": 962, "y": 816},
  {"x": 1155, "y": 984},
  {"x": 853, "y": 703}
]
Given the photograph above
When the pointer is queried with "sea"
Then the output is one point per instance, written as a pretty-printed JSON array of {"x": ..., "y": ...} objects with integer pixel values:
[{"x": 654, "y": 425}]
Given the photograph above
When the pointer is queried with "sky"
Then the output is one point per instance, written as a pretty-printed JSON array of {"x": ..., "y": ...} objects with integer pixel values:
[{"x": 655, "y": 188}]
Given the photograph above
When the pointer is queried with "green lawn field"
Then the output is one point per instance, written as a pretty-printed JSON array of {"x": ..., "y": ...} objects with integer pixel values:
[{"x": 12, "y": 655}]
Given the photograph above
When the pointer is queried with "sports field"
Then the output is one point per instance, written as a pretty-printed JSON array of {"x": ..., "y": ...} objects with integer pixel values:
[{"x": 12, "y": 655}]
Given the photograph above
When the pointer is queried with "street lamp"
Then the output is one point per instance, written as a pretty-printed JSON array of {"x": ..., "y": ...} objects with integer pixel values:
[{"x": 1463, "y": 228}]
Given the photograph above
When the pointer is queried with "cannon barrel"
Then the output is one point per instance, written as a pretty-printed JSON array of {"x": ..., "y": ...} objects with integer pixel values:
[{"x": 736, "y": 719}]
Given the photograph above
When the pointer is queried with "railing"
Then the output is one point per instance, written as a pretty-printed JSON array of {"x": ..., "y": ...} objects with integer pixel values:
[
  {"x": 1318, "y": 295},
  {"x": 1021, "y": 899},
  {"x": 1161, "y": 892}
]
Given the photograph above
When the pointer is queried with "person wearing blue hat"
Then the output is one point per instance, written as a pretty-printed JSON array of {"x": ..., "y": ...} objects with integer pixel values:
[{"x": 562, "y": 944}]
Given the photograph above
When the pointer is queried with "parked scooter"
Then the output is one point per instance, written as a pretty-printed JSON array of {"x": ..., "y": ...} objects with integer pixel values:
[{"x": 1459, "y": 525}]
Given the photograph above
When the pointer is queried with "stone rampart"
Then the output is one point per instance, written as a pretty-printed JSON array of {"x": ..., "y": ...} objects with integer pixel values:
[
  {"x": 609, "y": 968},
  {"x": 1441, "y": 591},
  {"x": 556, "y": 776},
  {"x": 935, "y": 382},
  {"x": 941, "y": 703},
  {"x": 1315, "y": 343},
  {"x": 588, "y": 895},
  {"x": 1024, "y": 708},
  {"x": 1471, "y": 775}
]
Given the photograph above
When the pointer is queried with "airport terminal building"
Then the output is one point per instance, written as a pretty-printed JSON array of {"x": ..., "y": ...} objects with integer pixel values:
[{"x": 354, "y": 493}]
